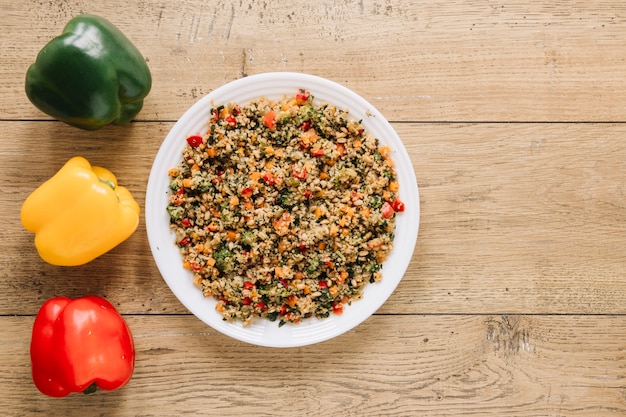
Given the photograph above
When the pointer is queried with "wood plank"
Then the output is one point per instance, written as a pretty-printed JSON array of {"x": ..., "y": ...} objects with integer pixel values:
[
  {"x": 518, "y": 218},
  {"x": 513, "y": 117},
  {"x": 515, "y": 219},
  {"x": 408, "y": 365},
  {"x": 426, "y": 61}
]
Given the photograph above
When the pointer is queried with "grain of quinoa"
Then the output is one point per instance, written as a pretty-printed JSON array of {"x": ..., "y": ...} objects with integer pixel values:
[{"x": 283, "y": 209}]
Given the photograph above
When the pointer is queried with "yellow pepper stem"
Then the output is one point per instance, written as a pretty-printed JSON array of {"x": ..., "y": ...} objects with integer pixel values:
[{"x": 79, "y": 214}]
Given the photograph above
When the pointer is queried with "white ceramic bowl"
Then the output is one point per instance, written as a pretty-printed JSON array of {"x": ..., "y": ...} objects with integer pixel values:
[{"x": 169, "y": 260}]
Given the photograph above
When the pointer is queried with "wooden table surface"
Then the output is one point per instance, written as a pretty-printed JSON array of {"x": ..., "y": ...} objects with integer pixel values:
[{"x": 514, "y": 117}]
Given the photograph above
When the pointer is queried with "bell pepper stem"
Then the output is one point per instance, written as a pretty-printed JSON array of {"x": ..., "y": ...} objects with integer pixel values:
[
  {"x": 107, "y": 182},
  {"x": 91, "y": 389}
]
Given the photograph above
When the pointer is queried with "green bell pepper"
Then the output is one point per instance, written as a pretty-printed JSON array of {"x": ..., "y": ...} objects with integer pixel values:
[{"x": 89, "y": 76}]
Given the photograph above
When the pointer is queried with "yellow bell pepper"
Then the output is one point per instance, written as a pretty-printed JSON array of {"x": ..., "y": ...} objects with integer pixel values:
[{"x": 79, "y": 214}]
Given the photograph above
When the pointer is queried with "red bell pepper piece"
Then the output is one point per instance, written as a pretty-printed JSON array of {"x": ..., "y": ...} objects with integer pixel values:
[
  {"x": 194, "y": 141},
  {"x": 247, "y": 192},
  {"x": 269, "y": 178},
  {"x": 397, "y": 205},
  {"x": 302, "y": 96},
  {"x": 299, "y": 173},
  {"x": 80, "y": 345},
  {"x": 317, "y": 153},
  {"x": 231, "y": 120}
]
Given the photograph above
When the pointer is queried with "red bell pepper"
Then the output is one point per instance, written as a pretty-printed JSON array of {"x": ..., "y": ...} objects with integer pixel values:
[{"x": 80, "y": 345}]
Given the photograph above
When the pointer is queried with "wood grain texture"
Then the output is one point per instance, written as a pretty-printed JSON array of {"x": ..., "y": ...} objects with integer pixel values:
[
  {"x": 438, "y": 365},
  {"x": 427, "y": 61},
  {"x": 513, "y": 116},
  {"x": 515, "y": 218}
]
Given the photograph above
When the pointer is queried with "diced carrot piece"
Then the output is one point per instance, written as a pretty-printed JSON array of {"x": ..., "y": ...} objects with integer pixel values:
[
  {"x": 231, "y": 235},
  {"x": 281, "y": 225},
  {"x": 385, "y": 150},
  {"x": 292, "y": 300},
  {"x": 334, "y": 290},
  {"x": 282, "y": 247},
  {"x": 310, "y": 136},
  {"x": 282, "y": 271},
  {"x": 374, "y": 243},
  {"x": 289, "y": 104},
  {"x": 269, "y": 120}
]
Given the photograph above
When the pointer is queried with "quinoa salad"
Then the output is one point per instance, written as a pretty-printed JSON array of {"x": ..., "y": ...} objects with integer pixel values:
[{"x": 283, "y": 209}]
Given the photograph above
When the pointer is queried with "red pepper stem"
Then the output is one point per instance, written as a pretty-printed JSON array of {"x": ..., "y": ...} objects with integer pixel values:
[{"x": 91, "y": 389}]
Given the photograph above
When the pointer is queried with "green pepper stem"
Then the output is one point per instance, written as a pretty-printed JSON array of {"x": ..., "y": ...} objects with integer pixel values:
[{"x": 107, "y": 182}]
